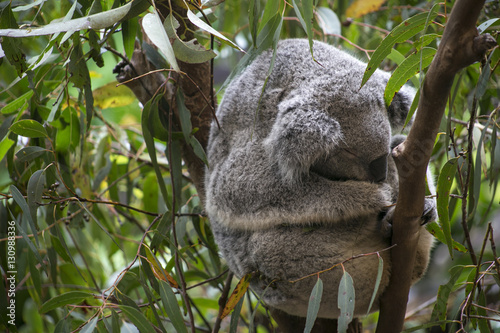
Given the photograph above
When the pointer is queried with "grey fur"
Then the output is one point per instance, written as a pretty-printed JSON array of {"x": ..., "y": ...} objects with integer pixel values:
[{"x": 306, "y": 180}]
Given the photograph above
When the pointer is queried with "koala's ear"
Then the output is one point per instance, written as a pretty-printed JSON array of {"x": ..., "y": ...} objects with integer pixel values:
[{"x": 401, "y": 103}]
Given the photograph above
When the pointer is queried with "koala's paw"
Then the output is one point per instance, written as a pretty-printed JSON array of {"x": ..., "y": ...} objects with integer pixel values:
[
  {"x": 384, "y": 195},
  {"x": 386, "y": 216}
]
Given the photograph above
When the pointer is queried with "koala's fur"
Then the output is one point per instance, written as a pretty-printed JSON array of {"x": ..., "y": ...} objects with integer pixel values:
[{"x": 304, "y": 180}]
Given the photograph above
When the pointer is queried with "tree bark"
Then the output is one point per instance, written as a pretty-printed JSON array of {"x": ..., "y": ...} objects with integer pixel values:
[
  {"x": 196, "y": 86},
  {"x": 460, "y": 46}
]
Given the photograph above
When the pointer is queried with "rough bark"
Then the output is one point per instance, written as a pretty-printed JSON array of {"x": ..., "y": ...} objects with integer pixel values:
[
  {"x": 460, "y": 46},
  {"x": 196, "y": 86}
]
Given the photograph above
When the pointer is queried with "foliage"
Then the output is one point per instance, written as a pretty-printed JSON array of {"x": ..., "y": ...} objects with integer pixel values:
[{"x": 109, "y": 230}]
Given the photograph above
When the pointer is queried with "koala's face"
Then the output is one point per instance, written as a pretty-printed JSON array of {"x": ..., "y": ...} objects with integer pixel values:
[{"x": 364, "y": 145}]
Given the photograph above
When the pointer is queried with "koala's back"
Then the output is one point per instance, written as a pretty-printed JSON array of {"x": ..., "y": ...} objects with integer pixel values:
[{"x": 249, "y": 113}]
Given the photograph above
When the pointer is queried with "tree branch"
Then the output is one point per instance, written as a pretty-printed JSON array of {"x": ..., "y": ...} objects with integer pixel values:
[{"x": 459, "y": 47}]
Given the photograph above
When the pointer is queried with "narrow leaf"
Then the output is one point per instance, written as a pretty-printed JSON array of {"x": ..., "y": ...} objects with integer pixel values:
[
  {"x": 377, "y": 282},
  {"x": 434, "y": 229},
  {"x": 401, "y": 33},
  {"x": 137, "y": 318},
  {"x": 150, "y": 144},
  {"x": 304, "y": 11},
  {"x": 345, "y": 301},
  {"x": 254, "y": 14},
  {"x": 5, "y": 145},
  {"x": 97, "y": 21},
  {"x": 328, "y": 21},
  {"x": 406, "y": 70},
  {"x": 99, "y": 224},
  {"x": 440, "y": 308},
  {"x": 202, "y": 25},
  {"x": 153, "y": 27},
  {"x": 235, "y": 316},
  {"x": 90, "y": 325},
  {"x": 184, "y": 115},
  {"x": 17, "y": 103},
  {"x": 159, "y": 272},
  {"x": 19, "y": 199},
  {"x": 485, "y": 25},
  {"x": 172, "y": 307},
  {"x": 29, "y": 128},
  {"x": 238, "y": 292},
  {"x": 71, "y": 297},
  {"x": 198, "y": 150},
  {"x": 29, "y": 153},
  {"x": 314, "y": 304},
  {"x": 35, "y": 189},
  {"x": 443, "y": 193}
]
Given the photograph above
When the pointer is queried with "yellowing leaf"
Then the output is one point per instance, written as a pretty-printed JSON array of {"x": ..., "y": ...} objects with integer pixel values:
[
  {"x": 111, "y": 96},
  {"x": 159, "y": 272},
  {"x": 238, "y": 293},
  {"x": 362, "y": 7}
]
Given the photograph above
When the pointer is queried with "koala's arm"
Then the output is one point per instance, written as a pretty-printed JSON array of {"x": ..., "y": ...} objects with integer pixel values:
[
  {"x": 261, "y": 201},
  {"x": 300, "y": 135}
]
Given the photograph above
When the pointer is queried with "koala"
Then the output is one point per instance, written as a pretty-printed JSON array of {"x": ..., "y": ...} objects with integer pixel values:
[{"x": 301, "y": 177}]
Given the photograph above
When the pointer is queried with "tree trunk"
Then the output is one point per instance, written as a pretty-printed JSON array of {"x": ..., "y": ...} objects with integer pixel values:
[{"x": 460, "y": 46}]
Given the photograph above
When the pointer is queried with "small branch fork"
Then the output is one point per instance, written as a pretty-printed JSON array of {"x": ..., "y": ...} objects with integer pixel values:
[{"x": 460, "y": 46}]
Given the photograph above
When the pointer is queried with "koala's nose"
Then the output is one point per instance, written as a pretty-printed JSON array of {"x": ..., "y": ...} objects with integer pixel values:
[{"x": 378, "y": 169}]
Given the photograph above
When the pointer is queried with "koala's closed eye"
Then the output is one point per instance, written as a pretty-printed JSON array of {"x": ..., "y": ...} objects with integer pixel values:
[{"x": 345, "y": 164}]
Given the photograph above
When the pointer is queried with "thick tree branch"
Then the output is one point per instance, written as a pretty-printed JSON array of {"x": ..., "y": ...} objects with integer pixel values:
[{"x": 459, "y": 47}]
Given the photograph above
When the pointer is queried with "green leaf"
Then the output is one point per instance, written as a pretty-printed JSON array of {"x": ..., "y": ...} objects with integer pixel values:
[
  {"x": 328, "y": 21},
  {"x": 202, "y": 25},
  {"x": 377, "y": 282},
  {"x": 172, "y": 307},
  {"x": 5, "y": 145},
  {"x": 16, "y": 104},
  {"x": 29, "y": 6},
  {"x": 440, "y": 308},
  {"x": 434, "y": 229},
  {"x": 63, "y": 326},
  {"x": 314, "y": 304},
  {"x": 184, "y": 115},
  {"x": 34, "y": 195},
  {"x": 198, "y": 150},
  {"x": 12, "y": 47},
  {"x": 19, "y": 199},
  {"x": 129, "y": 32},
  {"x": 304, "y": 11},
  {"x": 59, "y": 248},
  {"x": 406, "y": 70},
  {"x": 97, "y": 21},
  {"x": 35, "y": 275},
  {"x": 443, "y": 193},
  {"x": 188, "y": 51},
  {"x": 90, "y": 325},
  {"x": 138, "y": 319},
  {"x": 150, "y": 144},
  {"x": 29, "y": 153},
  {"x": 153, "y": 27},
  {"x": 235, "y": 316},
  {"x": 485, "y": 25},
  {"x": 71, "y": 297},
  {"x": 424, "y": 41},
  {"x": 29, "y": 128},
  {"x": 401, "y": 33},
  {"x": 96, "y": 220},
  {"x": 346, "y": 297},
  {"x": 254, "y": 14}
]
